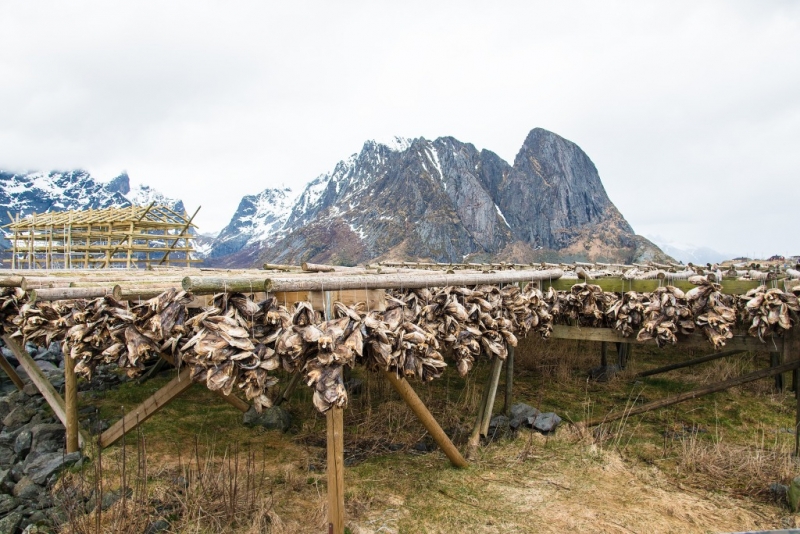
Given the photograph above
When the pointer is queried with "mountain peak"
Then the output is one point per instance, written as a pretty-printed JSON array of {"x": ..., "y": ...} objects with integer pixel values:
[
  {"x": 444, "y": 200},
  {"x": 120, "y": 184}
]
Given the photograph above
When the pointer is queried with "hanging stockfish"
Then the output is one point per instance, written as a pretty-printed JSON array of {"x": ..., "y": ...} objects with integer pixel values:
[
  {"x": 666, "y": 315},
  {"x": 769, "y": 312},
  {"x": 627, "y": 314},
  {"x": 714, "y": 312}
]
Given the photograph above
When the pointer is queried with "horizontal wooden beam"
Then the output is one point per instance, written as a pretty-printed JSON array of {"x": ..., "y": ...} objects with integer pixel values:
[
  {"x": 739, "y": 341},
  {"x": 404, "y": 280},
  {"x": 699, "y": 392}
]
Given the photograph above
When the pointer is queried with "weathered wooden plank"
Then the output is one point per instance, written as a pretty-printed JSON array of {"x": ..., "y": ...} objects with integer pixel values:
[
  {"x": 148, "y": 408},
  {"x": 739, "y": 342}
]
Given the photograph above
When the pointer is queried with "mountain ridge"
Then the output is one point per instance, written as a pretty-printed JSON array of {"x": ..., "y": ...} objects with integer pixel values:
[{"x": 444, "y": 200}]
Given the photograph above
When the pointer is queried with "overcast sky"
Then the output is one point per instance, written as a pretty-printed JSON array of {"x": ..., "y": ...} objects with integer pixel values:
[{"x": 689, "y": 110}]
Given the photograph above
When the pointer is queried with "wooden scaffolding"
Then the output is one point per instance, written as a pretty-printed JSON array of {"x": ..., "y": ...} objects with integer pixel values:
[{"x": 132, "y": 237}]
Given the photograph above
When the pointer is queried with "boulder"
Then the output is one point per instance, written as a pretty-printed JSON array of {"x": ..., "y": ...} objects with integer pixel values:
[
  {"x": 22, "y": 445},
  {"x": 520, "y": 413},
  {"x": 48, "y": 437},
  {"x": 11, "y": 522},
  {"x": 27, "y": 489},
  {"x": 545, "y": 422},
  {"x": 18, "y": 416},
  {"x": 7, "y": 503},
  {"x": 274, "y": 418},
  {"x": 45, "y": 465}
]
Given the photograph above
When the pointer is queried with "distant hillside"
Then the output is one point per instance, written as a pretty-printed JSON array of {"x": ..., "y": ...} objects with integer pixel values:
[{"x": 441, "y": 200}]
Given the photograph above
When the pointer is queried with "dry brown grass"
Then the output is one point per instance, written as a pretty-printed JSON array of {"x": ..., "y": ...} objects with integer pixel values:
[{"x": 651, "y": 473}]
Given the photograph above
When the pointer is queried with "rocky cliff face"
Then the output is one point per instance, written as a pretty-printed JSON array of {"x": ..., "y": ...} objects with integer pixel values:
[{"x": 441, "y": 200}]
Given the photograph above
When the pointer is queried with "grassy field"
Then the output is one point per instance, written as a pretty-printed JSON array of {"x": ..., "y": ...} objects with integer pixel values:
[{"x": 701, "y": 466}]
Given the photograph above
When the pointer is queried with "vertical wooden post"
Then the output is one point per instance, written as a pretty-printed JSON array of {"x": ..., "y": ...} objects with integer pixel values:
[
  {"x": 509, "y": 381},
  {"x": 497, "y": 366},
  {"x": 410, "y": 397},
  {"x": 475, "y": 437},
  {"x": 71, "y": 403},
  {"x": 774, "y": 361},
  {"x": 791, "y": 352},
  {"x": 335, "y": 421},
  {"x": 603, "y": 354}
]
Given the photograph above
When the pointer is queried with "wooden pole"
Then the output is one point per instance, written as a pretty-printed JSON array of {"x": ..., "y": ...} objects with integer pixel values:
[
  {"x": 317, "y": 268},
  {"x": 180, "y": 235},
  {"x": 70, "y": 293},
  {"x": 290, "y": 387},
  {"x": 13, "y": 281},
  {"x": 509, "y": 381},
  {"x": 791, "y": 354},
  {"x": 604, "y": 354},
  {"x": 410, "y": 397},
  {"x": 689, "y": 363},
  {"x": 699, "y": 392},
  {"x": 475, "y": 436},
  {"x": 204, "y": 285},
  {"x": 289, "y": 282},
  {"x": 335, "y": 421},
  {"x": 148, "y": 408},
  {"x": 41, "y": 382},
  {"x": 11, "y": 372},
  {"x": 497, "y": 366},
  {"x": 71, "y": 403},
  {"x": 774, "y": 361}
]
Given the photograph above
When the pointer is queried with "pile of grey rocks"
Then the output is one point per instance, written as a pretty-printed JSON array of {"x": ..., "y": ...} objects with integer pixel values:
[
  {"x": 32, "y": 447},
  {"x": 524, "y": 416}
]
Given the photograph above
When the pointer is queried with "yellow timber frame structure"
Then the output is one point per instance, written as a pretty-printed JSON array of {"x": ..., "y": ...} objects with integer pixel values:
[{"x": 136, "y": 236}]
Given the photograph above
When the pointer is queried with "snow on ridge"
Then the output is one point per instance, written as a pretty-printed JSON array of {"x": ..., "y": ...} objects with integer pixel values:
[
  {"x": 396, "y": 143},
  {"x": 434, "y": 158},
  {"x": 500, "y": 213}
]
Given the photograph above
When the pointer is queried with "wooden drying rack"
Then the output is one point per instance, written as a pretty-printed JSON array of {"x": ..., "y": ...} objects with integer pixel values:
[{"x": 329, "y": 285}]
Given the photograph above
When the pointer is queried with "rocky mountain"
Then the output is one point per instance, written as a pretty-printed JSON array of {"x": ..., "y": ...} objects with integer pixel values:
[
  {"x": 440, "y": 200},
  {"x": 39, "y": 192}
]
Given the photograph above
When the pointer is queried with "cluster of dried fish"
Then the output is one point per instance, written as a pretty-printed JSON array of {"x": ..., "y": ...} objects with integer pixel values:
[
  {"x": 713, "y": 311},
  {"x": 91, "y": 332},
  {"x": 767, "y": 312},
  {"x": 11, "y": 299},
  {"x": 627, "y": 314},
  {"x": 666, "y": 315},
  {"x": 584, "y": 304}
]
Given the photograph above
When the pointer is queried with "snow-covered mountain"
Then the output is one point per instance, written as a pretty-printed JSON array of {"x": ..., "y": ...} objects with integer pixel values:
[
  {"x": 442, "y": 200},
  {"x": 39, "y": 192},
  {"x": 259, "y": 218}
]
